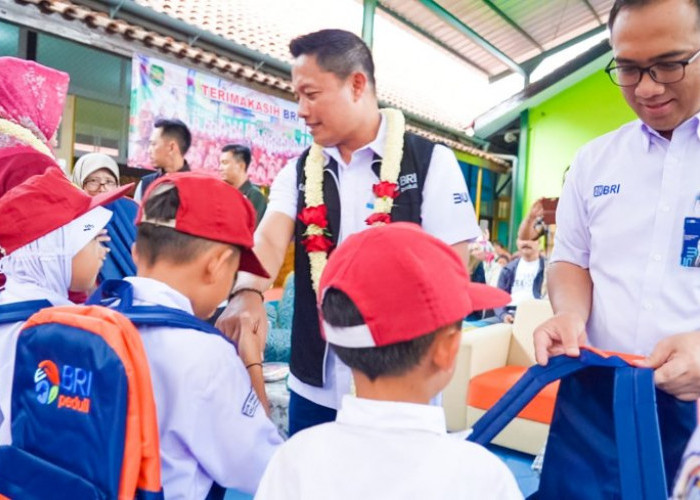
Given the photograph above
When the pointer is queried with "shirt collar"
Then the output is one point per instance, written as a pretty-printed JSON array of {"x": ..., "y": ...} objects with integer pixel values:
[
  {"x": 648, "y": 133},
  {"x": 391, "y": 415},
  {"x": 156, "y": 292},
  {"x": 376, "y": 146}
]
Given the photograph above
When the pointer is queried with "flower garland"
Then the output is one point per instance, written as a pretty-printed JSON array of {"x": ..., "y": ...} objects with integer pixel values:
[
  {"x": 315, "y": 216},
  {"x": 24, "y": 135}
]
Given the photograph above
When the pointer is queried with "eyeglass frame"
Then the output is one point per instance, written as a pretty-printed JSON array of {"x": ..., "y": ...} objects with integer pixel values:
[
  {"x": 100, "y": 183},
  {"x": 647, "y": 69}
]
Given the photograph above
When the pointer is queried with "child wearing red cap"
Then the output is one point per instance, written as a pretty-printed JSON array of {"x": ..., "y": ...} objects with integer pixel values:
[
  {"x": 392, "y": 300},
  {"x": 194, "y": 233},
  {"x": 49, "y": 245}
]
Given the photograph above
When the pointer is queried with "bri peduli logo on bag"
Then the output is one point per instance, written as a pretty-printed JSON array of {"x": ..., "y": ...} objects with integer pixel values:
[
  {"x": 71, "y": 385},
  {"x": 602, "y": 190}
]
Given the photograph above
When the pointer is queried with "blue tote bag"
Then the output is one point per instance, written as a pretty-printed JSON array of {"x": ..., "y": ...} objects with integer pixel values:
[{"x": 612, "y": 436}]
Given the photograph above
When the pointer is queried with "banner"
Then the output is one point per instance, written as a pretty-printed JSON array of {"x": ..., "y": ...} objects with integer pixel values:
[{"x": 217, "y": 113}]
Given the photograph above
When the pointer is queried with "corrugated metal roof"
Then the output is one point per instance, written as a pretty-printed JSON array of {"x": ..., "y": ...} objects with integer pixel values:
[{"x": 520, "y": 29}]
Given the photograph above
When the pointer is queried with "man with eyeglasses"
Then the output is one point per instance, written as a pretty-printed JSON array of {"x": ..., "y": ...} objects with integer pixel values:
[{"x": 619, "y": 278}]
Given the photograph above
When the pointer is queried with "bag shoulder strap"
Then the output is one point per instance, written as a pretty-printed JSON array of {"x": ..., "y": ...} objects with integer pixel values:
[
  {"x": 530, "y": 384},
  {"x": 21, "y": 311}
]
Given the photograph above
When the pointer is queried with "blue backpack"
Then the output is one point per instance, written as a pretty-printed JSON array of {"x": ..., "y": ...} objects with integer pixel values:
[
  {"x": 21, "y": 311},
  {"x": 613, "y": 435}
]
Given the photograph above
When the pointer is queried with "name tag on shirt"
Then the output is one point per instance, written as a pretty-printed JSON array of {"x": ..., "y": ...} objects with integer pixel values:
[{"x": 690, "y": 254}]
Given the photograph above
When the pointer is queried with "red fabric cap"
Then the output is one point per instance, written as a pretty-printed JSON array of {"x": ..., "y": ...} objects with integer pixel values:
[
  {"x": 214, "y": 210},
  {"x": 405, "y": 283},
  {"x": 18, "y": 163},
  {"x": 43, "y": 203}
]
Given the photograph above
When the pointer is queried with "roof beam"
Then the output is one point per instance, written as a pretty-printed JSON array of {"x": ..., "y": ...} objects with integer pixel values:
[
  {"x": 593, "y": 11},
  {"x": 457, "y": 24},
  {"x": 513, "y": 24},
  {"x": 531, "y": 64},
  {"x": 432, "y": 38}
]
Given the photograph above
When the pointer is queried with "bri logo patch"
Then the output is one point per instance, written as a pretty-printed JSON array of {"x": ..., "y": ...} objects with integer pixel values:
[
  {"x": 458, "y": 198},
  {"x": 71, "y": 385},
  {"x": 602, "y": 190},
  {"x": 250, "y": 405},
  {"x": 408, "y": 181}
]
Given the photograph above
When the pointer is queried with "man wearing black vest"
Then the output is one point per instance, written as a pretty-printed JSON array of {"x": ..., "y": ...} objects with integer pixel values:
[
  {"x": 167, "y": 147},
  {"x": 362, "y": 170}
]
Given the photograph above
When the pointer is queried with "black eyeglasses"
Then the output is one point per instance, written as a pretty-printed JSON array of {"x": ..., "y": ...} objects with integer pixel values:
[
  {"x": 97, "y": 183},
  {"x": 662, "y": 72}
]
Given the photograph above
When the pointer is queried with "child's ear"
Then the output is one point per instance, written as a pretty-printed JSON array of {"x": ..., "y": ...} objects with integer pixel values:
[
  {"x": 218, "y": 262},
  {"x": 446, "y": 347}
]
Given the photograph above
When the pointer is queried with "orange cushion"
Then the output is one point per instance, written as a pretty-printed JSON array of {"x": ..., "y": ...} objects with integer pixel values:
[{"x": 486, "y": 389}]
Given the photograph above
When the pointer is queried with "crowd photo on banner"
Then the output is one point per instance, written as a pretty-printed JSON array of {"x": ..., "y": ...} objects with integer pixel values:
[{"x": 281, "y": 287}]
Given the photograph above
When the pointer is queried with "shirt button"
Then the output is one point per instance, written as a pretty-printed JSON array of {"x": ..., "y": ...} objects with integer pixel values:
[
  {"x": 665, "y": 208},
  {"x": 657, "y": 257},
  {"x": 646, "y": 305}
]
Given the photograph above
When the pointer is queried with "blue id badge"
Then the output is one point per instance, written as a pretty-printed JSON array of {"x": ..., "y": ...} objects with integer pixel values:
[{"x": 690, "y": 255}]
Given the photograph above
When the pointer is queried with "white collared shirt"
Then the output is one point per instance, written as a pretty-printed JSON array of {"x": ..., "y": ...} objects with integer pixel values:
[
  {"x": 447, "y": 213},
  {"x": 621, "y": 216},
  {"x": 384, "y": 450},
  {"x": 211, "y": 426}
]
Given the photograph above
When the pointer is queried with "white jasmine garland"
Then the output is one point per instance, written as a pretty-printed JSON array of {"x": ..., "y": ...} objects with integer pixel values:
[{"x": 389, "y": 173}]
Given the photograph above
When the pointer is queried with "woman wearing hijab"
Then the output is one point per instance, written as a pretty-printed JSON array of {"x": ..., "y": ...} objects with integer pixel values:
[
  {"x": 96, "y": 173},
  {"x": 31, "y": 104}
]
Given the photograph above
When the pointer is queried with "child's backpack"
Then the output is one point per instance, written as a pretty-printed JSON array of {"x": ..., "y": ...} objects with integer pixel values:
[
  {"x": 83, "y": 415},
  {"x": 21, "y": 311},
  {"x": 605, "y": 439}
]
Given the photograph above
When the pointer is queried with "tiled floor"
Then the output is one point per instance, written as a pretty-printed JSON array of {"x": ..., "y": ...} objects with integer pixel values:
[{"x": 518, "y": 463}]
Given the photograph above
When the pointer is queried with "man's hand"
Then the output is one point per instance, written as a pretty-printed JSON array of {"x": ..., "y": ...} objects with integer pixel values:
[
  {"x": 245, "y": 309},
  {"x": 676, "y": 364},
  {"x": 561, "y": 334},
  {"x": 508, "y": 318}
]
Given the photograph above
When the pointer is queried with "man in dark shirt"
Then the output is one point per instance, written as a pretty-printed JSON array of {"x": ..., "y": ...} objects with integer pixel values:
[
  {"x": 234, "y": 162},
  {"x": 167, "y": 147}
]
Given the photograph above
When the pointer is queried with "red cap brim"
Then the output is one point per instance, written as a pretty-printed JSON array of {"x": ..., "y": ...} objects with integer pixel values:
[
  {"x": 251, "y": 264},
  {"x": 105, "y": 198},
  {"x": 487, "y": 297}
]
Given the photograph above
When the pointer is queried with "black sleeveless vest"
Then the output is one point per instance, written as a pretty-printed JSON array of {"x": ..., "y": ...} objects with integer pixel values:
[{"x": 308, "y": 347}]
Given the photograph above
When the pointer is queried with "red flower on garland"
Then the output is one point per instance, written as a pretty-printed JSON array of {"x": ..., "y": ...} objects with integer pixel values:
[
  {"x": 386, "y": 189},
  {"x": 317, "y": 243},
  {"x": 377, "y": 218},
  {"x": 314, "y": 215}
]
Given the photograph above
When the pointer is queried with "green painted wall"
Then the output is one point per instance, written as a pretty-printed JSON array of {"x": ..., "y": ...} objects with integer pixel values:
[{"x": 559, "y": 126}]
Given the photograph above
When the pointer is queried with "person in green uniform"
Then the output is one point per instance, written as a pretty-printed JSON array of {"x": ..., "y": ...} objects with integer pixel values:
[{"x": 234, "y": 162}]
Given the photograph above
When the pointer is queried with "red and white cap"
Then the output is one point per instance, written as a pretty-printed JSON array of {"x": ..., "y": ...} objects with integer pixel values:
[
  {"x": 42, "y": 204},
  {"x": 405, "y": 283},
  {"x": 211, "y": 209}
]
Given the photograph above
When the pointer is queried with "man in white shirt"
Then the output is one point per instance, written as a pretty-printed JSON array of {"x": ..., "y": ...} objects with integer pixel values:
[
  {"x": 522, "y": 278},
  {"x": 363, "y": 169},
  {"x": 388, "y": 442},
  {"x": 618, "y": 277}
]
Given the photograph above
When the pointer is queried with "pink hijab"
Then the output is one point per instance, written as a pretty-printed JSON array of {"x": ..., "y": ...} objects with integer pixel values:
[{"x": 31, "y": 96}]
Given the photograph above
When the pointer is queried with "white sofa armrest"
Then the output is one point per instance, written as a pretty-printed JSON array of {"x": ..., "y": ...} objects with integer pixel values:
[{"x": 481, "y": 349}]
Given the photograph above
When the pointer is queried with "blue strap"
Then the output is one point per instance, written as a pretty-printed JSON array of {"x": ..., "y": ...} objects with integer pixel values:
[
  {"x": 21, "y": 311},
  {"x": 637, "y": 435},
  {"x": 530, "y": 384},
  {"x": 119, "y": 295}
]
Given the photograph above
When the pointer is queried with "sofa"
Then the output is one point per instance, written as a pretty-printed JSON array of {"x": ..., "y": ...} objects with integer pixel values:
[{"x": 490, "y": 360}]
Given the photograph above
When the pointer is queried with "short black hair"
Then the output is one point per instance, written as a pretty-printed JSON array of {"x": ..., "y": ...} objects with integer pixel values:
[
  {"x": 177, "y": 130},
  {"x": 338, "y": 51},
  {"x": 239, "y": 152},
  {"x": 156, "y": 242},
  {"x": 622, "y": 4},
  {"x": 390, "y": 360}
]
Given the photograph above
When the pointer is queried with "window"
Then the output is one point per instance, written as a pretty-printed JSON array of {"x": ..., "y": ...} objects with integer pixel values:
[{"x": 9, "y": 39}]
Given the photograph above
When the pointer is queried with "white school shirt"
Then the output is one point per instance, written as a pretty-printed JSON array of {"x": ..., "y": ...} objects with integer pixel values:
[
  {"x": 384, "y": 450},
  {"x": 210, "y": 423},
  {"x": 523, "y": 282},
  {"x": 447, "y": 213},
  {"x": 621, "y": 216},
  {"x": 9, "y": 333}
]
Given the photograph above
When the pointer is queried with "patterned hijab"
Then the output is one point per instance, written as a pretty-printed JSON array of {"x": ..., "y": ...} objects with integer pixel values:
[{"x": 31, "y": 103}]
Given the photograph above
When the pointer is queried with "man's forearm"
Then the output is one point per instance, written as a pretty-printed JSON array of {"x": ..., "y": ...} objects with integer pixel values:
[{"x": 570, "y": 289}]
